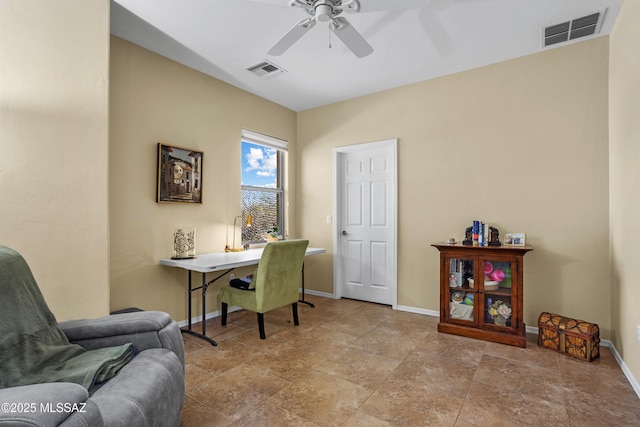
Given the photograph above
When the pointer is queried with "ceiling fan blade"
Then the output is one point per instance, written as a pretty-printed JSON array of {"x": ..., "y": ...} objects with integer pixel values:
[
  {"x": 437, "y": 32},
  {"x": 350, "y": 37},
  {"x": 386, "y": 5},
  {"x": 292, "y": 36}
]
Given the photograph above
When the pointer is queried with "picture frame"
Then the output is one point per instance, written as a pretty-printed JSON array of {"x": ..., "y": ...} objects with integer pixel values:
[
  {"x": 179, "y": 175},
  {"x": 515, "y": 239}
]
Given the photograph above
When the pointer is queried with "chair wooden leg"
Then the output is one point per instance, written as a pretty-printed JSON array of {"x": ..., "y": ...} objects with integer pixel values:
[
  {"x": 261, "y": 325},
  {"x": 224, "y": 314},
  {"x": 294, "y": 309}
]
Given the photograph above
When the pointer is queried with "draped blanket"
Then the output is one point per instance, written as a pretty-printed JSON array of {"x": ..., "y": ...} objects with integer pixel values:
[{"x": 33, "y": 349}]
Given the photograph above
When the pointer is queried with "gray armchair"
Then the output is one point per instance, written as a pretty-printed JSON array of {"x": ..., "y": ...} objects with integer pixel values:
[{"x": 147, "y": 391}]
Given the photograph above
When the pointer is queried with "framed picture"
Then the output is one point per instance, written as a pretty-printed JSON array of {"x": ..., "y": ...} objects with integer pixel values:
[
  {"x": 179, "y": 175},
  {"x": 515, "y": 239}
]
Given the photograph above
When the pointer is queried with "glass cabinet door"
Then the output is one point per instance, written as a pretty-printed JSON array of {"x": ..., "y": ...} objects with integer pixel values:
[
  {"x": 461, "y": 290},
  {"x": 497, "y": 292}
]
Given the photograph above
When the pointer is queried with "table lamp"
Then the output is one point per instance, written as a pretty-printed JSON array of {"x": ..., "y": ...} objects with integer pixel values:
[{"x": 248, "y": 223}]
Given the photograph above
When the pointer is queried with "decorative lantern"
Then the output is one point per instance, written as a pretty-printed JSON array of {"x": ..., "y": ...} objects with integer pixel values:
[{"x": 184, "y": 243}]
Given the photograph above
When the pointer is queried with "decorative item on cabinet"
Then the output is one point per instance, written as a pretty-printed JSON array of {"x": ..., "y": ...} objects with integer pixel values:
[
  {"x": 468, "y": 236},
  {"x": 494, "y": 237},
  {"x": 515, "y": 239},
  {"x": 481, "y": 234}
]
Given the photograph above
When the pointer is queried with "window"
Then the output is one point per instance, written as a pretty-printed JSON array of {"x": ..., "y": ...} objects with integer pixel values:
[{"x": 262, "y": 184}]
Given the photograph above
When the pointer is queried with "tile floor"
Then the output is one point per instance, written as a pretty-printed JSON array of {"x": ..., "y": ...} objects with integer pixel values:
[{"x": 352, "y": 363}]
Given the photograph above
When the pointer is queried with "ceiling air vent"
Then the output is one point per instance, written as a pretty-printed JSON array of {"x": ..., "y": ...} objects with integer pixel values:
[
  {"x": 266, "y": 69},
  {"x": 571, "y": 30}
]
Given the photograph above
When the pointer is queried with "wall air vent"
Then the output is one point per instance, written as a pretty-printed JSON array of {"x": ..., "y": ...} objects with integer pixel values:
[
  {"x": 571, "y": 30},
  {"x": 266, "y": 69}
]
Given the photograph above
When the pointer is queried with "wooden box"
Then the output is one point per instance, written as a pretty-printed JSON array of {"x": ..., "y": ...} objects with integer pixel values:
[{"x": 574, "y": 337}]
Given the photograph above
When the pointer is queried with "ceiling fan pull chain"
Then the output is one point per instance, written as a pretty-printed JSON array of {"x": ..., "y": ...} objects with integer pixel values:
[{"x": 329, "y": 38}]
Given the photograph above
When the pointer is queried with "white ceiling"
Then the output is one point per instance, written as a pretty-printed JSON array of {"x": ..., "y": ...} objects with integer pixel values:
[{"x": 436, "y": 37}]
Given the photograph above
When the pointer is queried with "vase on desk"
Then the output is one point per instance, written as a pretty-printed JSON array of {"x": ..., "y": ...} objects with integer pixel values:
[{"x": 184, "y": 243}]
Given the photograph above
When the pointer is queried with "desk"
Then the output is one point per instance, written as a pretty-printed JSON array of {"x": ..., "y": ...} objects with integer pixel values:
[{"x": 224, "y": 262}]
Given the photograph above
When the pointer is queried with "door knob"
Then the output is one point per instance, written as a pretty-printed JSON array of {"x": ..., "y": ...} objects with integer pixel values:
[{"x": 344, "y": 233}]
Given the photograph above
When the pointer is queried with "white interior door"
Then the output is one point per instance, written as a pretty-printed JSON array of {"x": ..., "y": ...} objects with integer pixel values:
[{"x": 366, "y": 227}]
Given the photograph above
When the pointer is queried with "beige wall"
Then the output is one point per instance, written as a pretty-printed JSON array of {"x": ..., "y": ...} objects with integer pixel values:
[
  {"x": 521, "y": 145},
  {"x": 624, "y": 152},
  {"x": 54, "y": 83},
  {"x": 154, "y": 99}
]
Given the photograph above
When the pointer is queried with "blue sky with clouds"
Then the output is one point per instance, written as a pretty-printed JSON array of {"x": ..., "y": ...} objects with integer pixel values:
[{"x": 259, "y": 165}]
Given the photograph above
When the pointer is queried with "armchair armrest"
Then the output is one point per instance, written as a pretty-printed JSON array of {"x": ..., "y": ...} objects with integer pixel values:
[
  {"x": 49, "y": 404},
  {"x": 144, "y": 329}
]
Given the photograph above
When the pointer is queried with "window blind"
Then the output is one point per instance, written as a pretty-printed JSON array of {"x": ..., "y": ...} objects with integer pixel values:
[{"x": 266, "y": 140}]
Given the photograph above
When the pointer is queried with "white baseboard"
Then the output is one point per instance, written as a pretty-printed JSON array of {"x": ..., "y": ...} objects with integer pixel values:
[
  {"x": 209, "y": 315},
  {"x": 623, "y": 366},
  {"x": 435, "y": 313},
  {"x": 318, "y": 293}
]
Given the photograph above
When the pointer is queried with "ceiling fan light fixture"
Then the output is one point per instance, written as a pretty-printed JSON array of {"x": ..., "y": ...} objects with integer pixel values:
[{"x": 324, "y": 11}]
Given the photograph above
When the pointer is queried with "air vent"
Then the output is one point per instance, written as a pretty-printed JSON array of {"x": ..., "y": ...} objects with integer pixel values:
[
  {"x": 571, "y": 30},
  {"x": 266, "y": 69}
]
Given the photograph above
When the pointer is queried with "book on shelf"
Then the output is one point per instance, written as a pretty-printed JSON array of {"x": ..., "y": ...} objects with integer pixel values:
[{"x": 475, "y": 231}]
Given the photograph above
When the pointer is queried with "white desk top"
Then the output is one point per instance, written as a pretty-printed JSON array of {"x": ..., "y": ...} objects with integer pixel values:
[{"x": 224, "y": 260}]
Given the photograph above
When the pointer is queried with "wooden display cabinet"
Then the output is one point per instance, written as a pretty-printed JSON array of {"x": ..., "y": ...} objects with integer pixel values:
[{"x": 474, "y": 282}]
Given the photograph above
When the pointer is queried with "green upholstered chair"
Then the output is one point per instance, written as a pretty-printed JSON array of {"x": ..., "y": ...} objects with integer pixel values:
[{"x": 277, "y": 281}]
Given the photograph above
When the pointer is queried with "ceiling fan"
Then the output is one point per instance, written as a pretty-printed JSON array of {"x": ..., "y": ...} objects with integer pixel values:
[{"x": 325, "y": 11}]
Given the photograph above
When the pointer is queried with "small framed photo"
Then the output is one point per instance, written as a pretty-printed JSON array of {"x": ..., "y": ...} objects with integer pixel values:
[
  {"x": 179, "y": 175},
  {"x": 515, "y": 239}
]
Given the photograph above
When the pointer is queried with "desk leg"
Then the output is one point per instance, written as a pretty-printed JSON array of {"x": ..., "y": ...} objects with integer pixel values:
[
  {"x": 190, "y": 295},
  {"x": 204, "y": 304},
  {"x": 302, "y": 300},
  {"x": 204, "y": 311}
]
